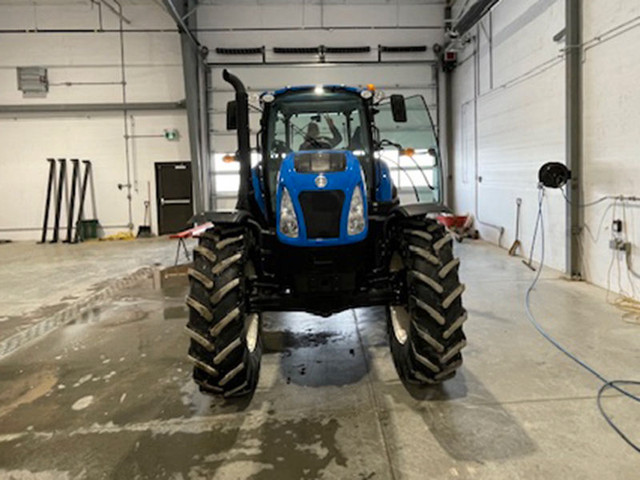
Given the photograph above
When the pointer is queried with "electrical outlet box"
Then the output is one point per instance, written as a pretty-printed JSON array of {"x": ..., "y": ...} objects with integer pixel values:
[
  {"x": 33, "y": 82},
  {"x": 616, "y": 226},
  {"x": 619, "y": 244}
]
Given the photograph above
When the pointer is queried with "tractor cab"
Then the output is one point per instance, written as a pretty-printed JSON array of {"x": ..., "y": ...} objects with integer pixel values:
[
  {"x": 317, "y": 164},
  {"x": 326, "y": 164}
]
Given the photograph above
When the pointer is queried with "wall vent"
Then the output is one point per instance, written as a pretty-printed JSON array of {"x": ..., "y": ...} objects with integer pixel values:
[
  {"x": 403, "y": 49},
  {"x": 33, "y": 82},
  {"x": 347, "y": 49},
  {"x": 296, "y": 50},
  {"x": 320, "y": 49},
  {"x": 240, "y": 51}
]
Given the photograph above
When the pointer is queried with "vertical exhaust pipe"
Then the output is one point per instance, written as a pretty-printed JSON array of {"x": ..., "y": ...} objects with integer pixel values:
[{"x": 244, "y": 146}]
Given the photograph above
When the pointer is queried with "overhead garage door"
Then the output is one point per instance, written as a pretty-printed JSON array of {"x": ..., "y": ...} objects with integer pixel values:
[{"x": 407, "y": 78}]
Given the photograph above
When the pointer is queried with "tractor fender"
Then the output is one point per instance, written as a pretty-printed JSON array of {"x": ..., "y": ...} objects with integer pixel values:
[
  {"x": 413, "y": 210},
  {"x": 420, "y": 209},
  {"x": 235, "y": 216}
]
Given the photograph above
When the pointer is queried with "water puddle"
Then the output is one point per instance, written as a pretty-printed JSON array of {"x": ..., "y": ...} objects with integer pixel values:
[{"x": 164, "y": 292}]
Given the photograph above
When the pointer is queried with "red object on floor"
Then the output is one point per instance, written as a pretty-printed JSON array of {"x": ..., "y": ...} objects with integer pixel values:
[
  {"x": 192, "y": 232},
  {"x": 453, "y": 221}
]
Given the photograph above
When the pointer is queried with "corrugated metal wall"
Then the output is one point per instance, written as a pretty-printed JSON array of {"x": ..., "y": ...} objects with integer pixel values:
[
  {"x": 518, "y": 80},
  {"x": 521, "y": 125}
]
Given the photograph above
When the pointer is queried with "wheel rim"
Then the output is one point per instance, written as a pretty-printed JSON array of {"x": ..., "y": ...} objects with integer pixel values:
[
  {"x": 400, "y": 322},
  {"x": 251, "y": 337}
]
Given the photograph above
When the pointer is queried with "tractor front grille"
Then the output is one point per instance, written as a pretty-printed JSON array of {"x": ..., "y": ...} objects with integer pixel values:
[{"x": 322, "y": 212}]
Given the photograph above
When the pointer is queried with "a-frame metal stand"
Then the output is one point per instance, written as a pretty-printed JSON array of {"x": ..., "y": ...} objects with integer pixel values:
[
  {"x": 50, "y": 191},
  {"x": 58, "y": 190}
]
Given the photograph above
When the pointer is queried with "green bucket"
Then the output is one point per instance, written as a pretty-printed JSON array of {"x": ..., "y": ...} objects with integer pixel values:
[{"x": 88, "y": 229}]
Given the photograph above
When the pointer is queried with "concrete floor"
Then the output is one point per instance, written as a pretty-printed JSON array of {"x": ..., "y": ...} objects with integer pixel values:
[
  {"x": 33, "y": 276},
  {"x": 110, "y": 395},
  {"x": 45, "y": 286}
]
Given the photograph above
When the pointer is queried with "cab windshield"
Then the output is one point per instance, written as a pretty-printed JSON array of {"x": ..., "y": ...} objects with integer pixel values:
[{"x": 314, "y": 120}]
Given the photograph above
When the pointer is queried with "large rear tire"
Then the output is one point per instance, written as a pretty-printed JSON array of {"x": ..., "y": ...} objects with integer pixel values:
[
  {"x": 226, "y": 344},
  {"x": 425, "y": 333}
]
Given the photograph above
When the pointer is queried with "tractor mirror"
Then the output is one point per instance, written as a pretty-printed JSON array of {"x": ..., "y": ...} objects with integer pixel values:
[
  {"x": 398, "y": 109},
  {"x": 232, "y": 114}
]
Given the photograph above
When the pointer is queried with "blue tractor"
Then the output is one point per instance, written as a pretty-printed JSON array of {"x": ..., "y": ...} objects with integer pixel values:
[{"x": 320, "y": 226}]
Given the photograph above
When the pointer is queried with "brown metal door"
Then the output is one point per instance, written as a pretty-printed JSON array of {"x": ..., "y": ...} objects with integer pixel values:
[{"x": 173, "y": 195}]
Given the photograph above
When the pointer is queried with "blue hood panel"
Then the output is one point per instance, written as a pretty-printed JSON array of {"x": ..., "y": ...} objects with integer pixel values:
[{"x": 346, "y": 181}]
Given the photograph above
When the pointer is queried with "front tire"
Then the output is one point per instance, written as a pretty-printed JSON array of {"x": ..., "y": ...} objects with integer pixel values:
[
  {"x": 425, "y": 332},
  {"x": 225, "y": 345}
]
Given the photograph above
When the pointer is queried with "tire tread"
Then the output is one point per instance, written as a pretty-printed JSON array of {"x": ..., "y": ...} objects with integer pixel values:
[
  {"x": 223, "y": 365},
  {"x": 434, "y": 302}
]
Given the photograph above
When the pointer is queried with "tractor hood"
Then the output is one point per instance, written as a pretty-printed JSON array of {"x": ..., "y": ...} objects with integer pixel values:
[{"x": 321, "y": 199}]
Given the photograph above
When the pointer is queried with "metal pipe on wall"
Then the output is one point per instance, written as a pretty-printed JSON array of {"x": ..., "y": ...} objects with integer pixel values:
[
  {"x": 573, "y": 140},
  {"x": 66, "y": 108},
  {"x": 117, "y": 12},
  {"x": 121, "y": 20},
  {"x": 73, "y": 84},
  {"x": 96, "y": 2},
  {"x": 448, "y": 135},
  {"x": 209, "y": 30},
  {"x": 134, "y": 156}
]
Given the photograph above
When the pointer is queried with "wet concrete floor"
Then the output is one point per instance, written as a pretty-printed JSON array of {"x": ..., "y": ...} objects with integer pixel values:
[
  {"x": 42, "y": 281},
  {"x": 110, "y": 395}
]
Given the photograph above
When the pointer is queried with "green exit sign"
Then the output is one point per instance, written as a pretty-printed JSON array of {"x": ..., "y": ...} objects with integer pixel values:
[{"x": 172, "y": 135}]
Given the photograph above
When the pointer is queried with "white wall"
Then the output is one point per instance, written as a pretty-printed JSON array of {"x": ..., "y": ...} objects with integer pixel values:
[
  {"x": 299, "y": 23},
  {"x": 153, "y": 74},
  {"x": 611, "y": 119},
  {"x": 521, "y": 124}
]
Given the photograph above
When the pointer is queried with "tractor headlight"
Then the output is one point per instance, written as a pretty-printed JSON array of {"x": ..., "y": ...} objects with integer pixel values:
[
  {"x": 288, "y": 218},
  {"x": 355, "y": 222}
]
